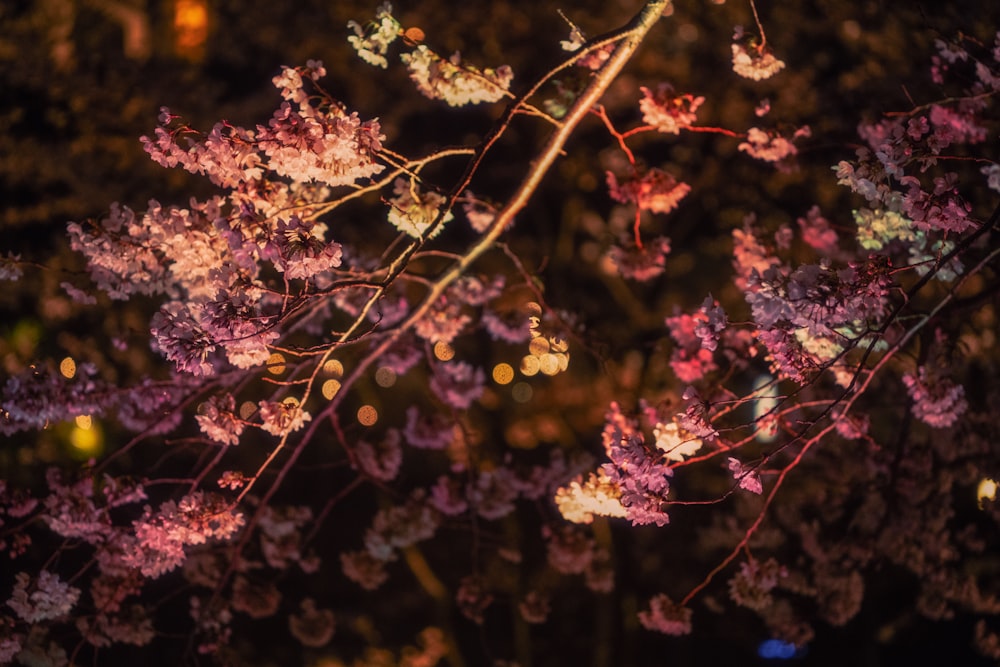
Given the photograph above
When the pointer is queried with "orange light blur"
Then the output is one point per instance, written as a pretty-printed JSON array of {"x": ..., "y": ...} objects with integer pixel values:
[{"x": 190, "y": 27}]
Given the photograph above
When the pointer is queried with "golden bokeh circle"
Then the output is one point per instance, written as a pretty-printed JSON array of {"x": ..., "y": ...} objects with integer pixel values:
[
  {"x": 503, "y": 373},
  {"x": 276, "y": 363},
  {"x": 333, "y": 367},
  {"x": 330, "y": 388},
  {"x": 67, "y": 367},
  {"x": 529, "y": 365},
  {"x": 444, "y": 351},
  {"x": 367, "y": 415}
]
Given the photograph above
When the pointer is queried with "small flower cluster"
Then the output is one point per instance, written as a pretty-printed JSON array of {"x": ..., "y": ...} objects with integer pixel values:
[
  {"x": 691, "y": 359},
  {"x": 771, "y": 146},
  {"x": 372, "y": 41},
  {"x": 666, "y": 616},
  {"x": 638, "y": 478},
  {"x": 49, "y": 598},
  {"x": 937, "y": 401},
  {"x": 667, "y": 112},
  {"x": 751, "y": 587},
  {"x": 654, "y": 190},
  {"x": 158, "y": 540},
  {"x": 413, "y": 212},
  {"x": 752, "y": 62},
  {"x": 456, "y": 83},
  {"x": 640, "y": 263}
]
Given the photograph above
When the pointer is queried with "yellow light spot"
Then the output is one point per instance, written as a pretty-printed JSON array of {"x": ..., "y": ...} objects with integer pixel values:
[
  {"x": 290, "y": 402},
  {"x": 247, "y": 408},
  {"x": 443, "y": 351},
  {"x": 987, "y": 491},
  {"x": 276, "y": 364},
  {"x": 385, "y": 377},
  {"x": 522, "y": 392},
  {"x": 533, "y": 309},
  {"x": 67, "y": 367},
  {"x": 529, "y": 365},
  {"x": 190, "y": 24},
  {"x": 538, "y": 346},
  {"x": 549, "y": 364},
  {"x": 84, "y": 421},
  {"x": 333, "y": 367},
  {"x": 330, "y": 389},
  {"x": 503, "y": 373},
  {"x": 86, "y": 441},
  {"x": 558, "y": 344},
  {"x": 563, "y": 361},
  {"x": 367, "y": 415}
]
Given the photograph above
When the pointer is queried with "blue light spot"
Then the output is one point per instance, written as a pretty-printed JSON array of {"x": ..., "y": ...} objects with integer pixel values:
[{"x": 775, "y": 649}]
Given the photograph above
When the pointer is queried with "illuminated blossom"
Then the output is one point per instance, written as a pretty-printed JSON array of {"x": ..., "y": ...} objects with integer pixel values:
[
  {"x": 667, "y": 112},
  {"x": 595, "y": 58},
  {"x": 580, "y": 501},
  {"x": 456, "y": 83},
  {"x": 666, "y": 616},
  {"x": 218, "y": 420},
  {"x": 479, "y": 214},
  {"x": 817, "y": 232},
  {"x": 640, "y": 474},
  {"x": 937, "y": 401},
  {"x": 755, "y": 63},
  {"x": 297, "y": 250},
  {"x": 160, "y": 537},
  {"x": 643, "y": 263},
  {"x": 48, "y": 597},
  {"x": 690, "y": 359},
  {"x": 747, "y": 476},
  {"x": 372, "y": 41},
  {"x": 655, "y": 190},
  {"x": 675, "y": 445},
  {"x": 413, "y": 212},
  {"x": 771, "y": 146},
  {"x": 328, "y": 147},
  {"x": 282, "y": 418}
]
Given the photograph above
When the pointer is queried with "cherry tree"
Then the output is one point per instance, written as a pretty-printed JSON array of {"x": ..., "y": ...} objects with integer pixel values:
[{"x": 360, "y": 392}]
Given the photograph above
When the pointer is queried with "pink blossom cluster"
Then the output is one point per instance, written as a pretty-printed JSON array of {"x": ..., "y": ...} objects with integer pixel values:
[
  {"x": 653, "y": 190},
  {"x": 667, "y": 112},
  {"x": 937, "y": 401}
]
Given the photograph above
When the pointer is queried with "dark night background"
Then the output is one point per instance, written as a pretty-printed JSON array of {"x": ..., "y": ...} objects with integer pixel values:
[{"x": 81, "y": 80}]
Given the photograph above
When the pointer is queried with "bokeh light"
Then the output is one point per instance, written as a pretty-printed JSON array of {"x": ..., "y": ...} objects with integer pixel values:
[
  {"x": 385, "y": 377},
  {"x": 68, "y": 368},
  {"x": 330, "y": 388},
  {"x": 503, "y": 373},
  {"x": 276, "y": 363},
  {"x": 367, "y": 415}
]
